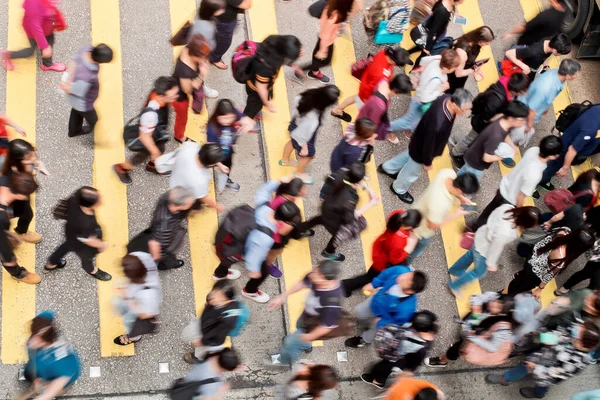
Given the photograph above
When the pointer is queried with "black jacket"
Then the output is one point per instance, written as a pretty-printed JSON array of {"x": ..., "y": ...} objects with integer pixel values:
[
  {"x": 216, "y": 323},
  {"x": 487, "y": 104}
]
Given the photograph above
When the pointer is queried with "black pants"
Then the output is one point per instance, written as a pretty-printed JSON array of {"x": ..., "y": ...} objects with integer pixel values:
[
  {"x": 496, "y": 202},
  {"x": 29, "y": 51},
  {"x": 382, "y": 370},
  {"x": 22, "y": 209},
  {"x": 318, "y": 63},
  {"x": 453, "y": 352},
  {"x": 139, "y": 157},
  {"x": 168, "y": 261},
  {"x": 16, "y": 270},
  {"x": 224, "y": 36},
  {"x": 352, "y": 284},
  {"x": 76, "y": 122},
  {"x": 223, "y": 268},
  {"x": 254, "y": 283},
  {"x": 591, "y": 271},
  {"x": 524, "y": 281},
  {"x": 86, "y": 255},
  {"x": 254, "y": 103},
  {"x": 311, "y": 223}
]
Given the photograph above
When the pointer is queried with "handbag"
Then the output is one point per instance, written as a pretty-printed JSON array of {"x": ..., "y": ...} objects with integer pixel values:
[
  {"x": 131, "y": 133},
  {"x": 346, "y": 325},
  {"x": 474, "y": 354},
  {"x": 316, "y": 9},
  {"x": 360, "y": 66},
  {"x": 383, "y": 36},
  {"x": 419, "y": 34},
  {"x": 398, "y": 23},
  {"x": 466, "y": 240},
  {"x": 198, "y": 100},
  {"x": 180, "y": 38}
]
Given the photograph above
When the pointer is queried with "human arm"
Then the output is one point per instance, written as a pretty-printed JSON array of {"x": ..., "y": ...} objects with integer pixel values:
[
  {"x": 437, "y": 24},
  {"x": 512, "y": 56},
  {"x": 150, "y": 145},
  {"x": 212, "y": 203},
  {"x": 461, "y": 71},
  {"x": 491, "y": 158},
  {"x": 495, "y": 250},
  {"x": 514, "y": 31},
  {"x": 554, "y": 219},
  {"x": 521, "y": 197},
  {"x": 411, "y": 243},
  {"x": 282, "y": 298},
  {"x": 245, "y": 4},
  {"x": 315, "y": 334},
  {"x": 54, "y": 388},
  {"x": 373, "y": 201},
  {"x": 530, "y": 119},
  {"x": 189, "y": 85},
  {"x": 265, "y": 193},
  {"x": 155, "y": 249},
  {"x": 495, "y": 340},
  {"x": 456, "y": 214},
  {"x": 569, "y": 157},
  {"x": 13, "y": 125}
]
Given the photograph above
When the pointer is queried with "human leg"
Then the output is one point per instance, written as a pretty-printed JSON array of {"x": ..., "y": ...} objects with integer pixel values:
[
  {"x": 26, "y": 52},
  {"x": 253, "y": 103},
  {"x": 395, "y": 164},
  {"x": 463, "y": 144},
  {"x": 91, "y": 117},
  {"x": 461, "y": 265},
  {"x": 467, "y": 168},
  {"x": 22, "y": 209},
  {"x": 222, "y": 269},
  {"x": 181, "y": 117},
  {"x": 552, "y": 168},
  {"x": 224, "y": 37},
  {"x": 75, "y": 122},
  {"x": 496, "y": 202},
  {"x": 477, "y": 272},
  {"x": 524, "y": 281},
  {"x": 59, "y": 253},
  {"x": 410, "y": 120},
  {"x": 293, "y": 347},
  {"x": 407, "y": 176},
  {"x": 589, "y": 271},
  {"x": 419, "y": 249},
  {"x": 381, "y": 371},
  {"x": 359, "y": 281},
  {"x": 254, "y": 283}
]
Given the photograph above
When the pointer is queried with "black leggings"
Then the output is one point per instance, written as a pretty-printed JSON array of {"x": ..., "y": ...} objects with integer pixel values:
[
  {"x": 352, "y": 284},
  {"x": 311, "y": 223},
  {"x": 524, "y": 281},
  {"x": 28, "y": 51},
  {"x": 254, "y": 283},
  {"x": 453, "y": 352},
  {"x": 317, "y": 63},
  {"x": 22, "y": 209},
  {"x": 76, "y": 122},
  {"x": 86, "y": 255},
  {"x": 591, "y": 271},
  {"x": 223, "y": 268},
  {"x": 382, "y": 370},
  {"x": 254, "y": 103}
]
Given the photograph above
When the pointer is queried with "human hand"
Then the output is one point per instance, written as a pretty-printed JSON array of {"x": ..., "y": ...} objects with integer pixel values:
[
  {"x": 562, "y": 172},
  {"x": 526, "y": 70},
  {"x": 507, "y": 36},
  {"x": 426, "y": 51},
  {"x": 536, "y": 293},
  {"x": 65, "y": 87},
  {"x": 547, "y": 225},
  {"x": 246, "y": 124},
  {"x": 277, "y": 302},
  {"x": 224, "y": 169},
  {"x": 220, "y": 208}
]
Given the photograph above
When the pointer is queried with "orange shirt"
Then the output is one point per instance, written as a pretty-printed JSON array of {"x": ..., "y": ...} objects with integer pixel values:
[{"x": 408, "y": 388}]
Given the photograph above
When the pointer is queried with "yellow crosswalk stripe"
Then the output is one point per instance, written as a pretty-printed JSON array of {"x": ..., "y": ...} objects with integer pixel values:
[
  {"x": 109, "y": 149},
  {"x": 295, "y": 259},
  {"x": 18, "y": 299}
]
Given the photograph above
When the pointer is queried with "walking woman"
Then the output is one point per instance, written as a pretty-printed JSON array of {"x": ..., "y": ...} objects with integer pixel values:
[
  {"x": 311, "y": 106},
  {"x": 190, "y": 70},
  {"x": 467, "y": 48},
  {"x": 83, "y": 234},
  {"x": 551, "y": 256},
  {"x": 274, "y": 51},
  {"x": 225, "y": 24},
  {"x": 590, "y": 271},
  {"x": 308, "y": 381},
  {"x": 503, "y": 226},
  {"x": 40, "y": 20},
  {"x": 335, "y": 14}
]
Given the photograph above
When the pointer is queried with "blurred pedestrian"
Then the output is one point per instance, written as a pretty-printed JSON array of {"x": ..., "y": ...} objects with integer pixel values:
[
  {"x": 308, "y": 381},
  {"x": 356, "y": 145},
  {"x": 414, "y": 389},
  {"x": 545, "y": 24},
  {"x": 468, "y": 47},
  {"x": 4, "y": 138},
  {"x": 225, "y": 24}
]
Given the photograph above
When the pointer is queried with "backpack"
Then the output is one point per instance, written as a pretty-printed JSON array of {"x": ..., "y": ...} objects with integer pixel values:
[
  {"x": 243, "y": 316},
  {"x": 567, "y": 116},
  {"x": 380, "y": 11},
  {"x": 131, "y": 132},
  {"x": 182, "y": 390},
  {"x": 231, "y": 236},
  {"x": 360, "y": 66},
  {"x": 559, "y": 199},
  {"x": 241, "y": 61}
]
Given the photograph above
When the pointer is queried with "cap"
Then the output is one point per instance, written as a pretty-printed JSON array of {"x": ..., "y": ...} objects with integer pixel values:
[
  {"x": 47, "y": 314},
  {"x": 329, "y": 269},
  {"x": 400, "y": 57}
]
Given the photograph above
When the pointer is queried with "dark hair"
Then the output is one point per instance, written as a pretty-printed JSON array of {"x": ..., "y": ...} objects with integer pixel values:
[
  {"x": 561, "y": 43},
  {"x": 39, "y": 323},
  {"x": 518, "y": 83},
  {"x": 590, "y": 337},
  {"x": 277, "y": 50},
  {"x": 102, "y": 54},
  {"x": 569, "y": 67},
  {"x": 320, "y": 377},
  {"x": 87, "y": 196},
  {"x": 408, "y": 218},
  {"x": 399, "y": 56},
  {"x": 364, "y": 128},
  {"x": 587, "y": 177},
  {"x": 210, "y": 154},
  {"x": 550, "y": 146},
  {"x": 288, "y": 212},
  {"x": 597, "y": 302},
  {"x": 577, "y": 242},
  {"x": 471, "y": 39},
  {"x": 226, "y": 287},
  {"x": 424, "y": 321},
  {"x": 16, "y": 152},
  {"x": 228, "y": 359},
  {"x": 426, "y": 394},
  {"x": 401, "y": 84},
  {"x": 164, "y": 83},
  {"x": 223, "y": 107},
  {"x": 516, "y": 109},
  {"x": 466, "y": 183},
  {"x": 318, "y": 99},
  {"x": 524, "y": 217},
  {"x": 198, "y": 46},
  {"x": 291, "y": 188},
  {"x": 134, "y": 268},
  {"x": 208, "y": 8},
  {"x": 22, "y": 183},
  {"x": 419, "y": 282},
  {"x": 355, "y": 172},
  {"x": 343, "y": 8},
  {"x": 449, "y": 59}
]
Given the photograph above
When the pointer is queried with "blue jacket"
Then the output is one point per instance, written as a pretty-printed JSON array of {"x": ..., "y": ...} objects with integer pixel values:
[
  {"x": 259, "y": 243},
  {"x": 391, "y": 309}
]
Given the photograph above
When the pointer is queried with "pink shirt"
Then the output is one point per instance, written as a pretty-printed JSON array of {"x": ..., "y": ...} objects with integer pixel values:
[{"x": 36, "y": 11}]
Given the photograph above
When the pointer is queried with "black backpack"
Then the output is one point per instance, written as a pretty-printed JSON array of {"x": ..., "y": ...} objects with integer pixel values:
[
  {"x": 181, "y": 390},
  {"x": 233, "y": 232},
  {"x": 570, "y": 114},
  {"x": 131, "y": 132}
]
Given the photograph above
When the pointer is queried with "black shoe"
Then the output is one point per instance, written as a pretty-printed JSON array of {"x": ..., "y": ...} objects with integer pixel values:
[
  {"x": 309, "y": 350},
  {"x": 339, "y": 257},
  {"x": 435, "y": 362},
  {"x": 122, "y": 174},
  {"x": 406, "y": 197},
  {"x": 382, "y": 171},
  {"x": 368, "y": 378},
  {"x": 62, "y": 263},
  {"x": 319, "y": 76},
  {"x": 548, "y": 186},
  {"x": 536, "y": 194},
  {"x": 529, "y": 393},
  {"x": 308, "y": 233},
  {"x": 457, "y": 161},
  {"x": 101, "y": 275},
  {"x": 355, "y": 342}
]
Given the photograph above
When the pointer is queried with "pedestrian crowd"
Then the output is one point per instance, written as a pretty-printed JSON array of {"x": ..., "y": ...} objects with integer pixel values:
[{"x": 552, "y": 343}]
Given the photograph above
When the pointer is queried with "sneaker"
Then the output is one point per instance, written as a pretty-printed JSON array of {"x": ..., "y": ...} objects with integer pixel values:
[
  {"x": 30, "y": 278},
  {"x": 210, "y": 92},
  {"x": 233, "y": 185},
  {"x": 355, "y": 342},
  {"x": 529, "y": 393},
  {"x": 435, "y": 362},
  {"x": 536, "y": 194},
  {"x": 274, "y": 271},
  {"x": 548, "y": 186},
  {"x": 122, "y": 174},
  {"x": 152, "y": 169},
  {"x": 319, "y": 76},
  {"x": 508, "y": 162},
  {"x": 190, "y": 358},
  {"x": 232, "y": 274},
  {"x": 368, "y": 378},
  {"x": 56, "y": 67},
  {"x": 496, "y": 379},
  {"x": 7, "y": 63},
  {"x": 101, "y": 275},
  {"x": 308, "y": 350},
  {"x": 29, "y": 237},
  {"x": 259, "y": 296},
  {"x": 308, "y": 233},
  {"x": 339, "y": 257}
]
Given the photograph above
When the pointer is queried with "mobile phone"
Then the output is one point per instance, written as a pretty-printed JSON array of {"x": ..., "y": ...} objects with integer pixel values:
[
  {"x": 479, "y": 63},
  {"x": 459, "y": 20},
  {"x": 548, "y": 338},
  {"x": 469, "y": 207}
]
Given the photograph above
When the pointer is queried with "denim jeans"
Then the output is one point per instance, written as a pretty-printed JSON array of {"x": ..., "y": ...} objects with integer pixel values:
[
  {"x": 460, "y": 268},
  {"x": 552, "y": 168},
  {"x": 467, "y": 168},
  {"x": 293, "y": 347},
  {"x": 366, "y": 320},
  {"x": 408, "y": 171},
  {"x": 120, "y": 306},
  {"x": 519, "y": 372},
  {"x": 224, "y": 36},
  {"x": 419, "y": 249},
  {"x": 410, "y": 120}
]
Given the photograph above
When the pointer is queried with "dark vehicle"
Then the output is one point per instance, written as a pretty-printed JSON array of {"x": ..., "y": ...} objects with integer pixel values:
[{"x": 582, "y": 24}]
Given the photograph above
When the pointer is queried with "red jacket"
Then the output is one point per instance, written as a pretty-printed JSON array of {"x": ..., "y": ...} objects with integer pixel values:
[
  {"x": 377, "y": 70},
  {"x": 388, "y": 248}
]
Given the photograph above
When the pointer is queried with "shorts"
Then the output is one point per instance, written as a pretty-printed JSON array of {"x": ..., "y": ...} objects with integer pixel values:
[{"x": 310, "y": 144}]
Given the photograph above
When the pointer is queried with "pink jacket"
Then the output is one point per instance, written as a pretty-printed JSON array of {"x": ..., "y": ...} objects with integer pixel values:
[{"x": 36, "y": 12}]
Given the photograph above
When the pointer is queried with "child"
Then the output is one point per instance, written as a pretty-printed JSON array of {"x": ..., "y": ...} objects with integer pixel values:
[
  {"x": 356, "y": 146},
  {"x": 223, "y": 127}
]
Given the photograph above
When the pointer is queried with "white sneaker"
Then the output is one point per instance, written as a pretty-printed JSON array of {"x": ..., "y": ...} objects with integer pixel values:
[
  {"x": 210, "y": 92},
  {"x": 259, "y": 297},
  {"x": 232, "y": 274}
]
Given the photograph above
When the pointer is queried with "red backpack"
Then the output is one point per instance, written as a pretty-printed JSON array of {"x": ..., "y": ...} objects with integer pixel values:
[
  {"x": 559, "y": 199},
  {"x": 242, "y": 59},
  {"x": 360, "y": 66}
]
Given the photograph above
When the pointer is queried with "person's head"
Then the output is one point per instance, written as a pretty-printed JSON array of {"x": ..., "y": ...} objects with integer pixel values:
[
  {"x": 569, "y": 69},
  {"x": 466, "y": 183},
  {"x": 551, "y": 147},
  {"x": 223, "y": 115},
  {"x": 429, "y": 393},
  {"x": 479, "y": 37},
  {"x": 407, "y": 220},
  {"x": 210, "y": 154},
  {"x": 22, "y": 185},
  {"x": 20, "y": 156},
  {"x": 287, "y": 216},
  {"x": 198, "y": 47},
  {"x": 587, "y": 177},
  {"x": 318, "y": 99},
  {"x": 228, "y": 359},
  {"x": 365, "y": 129},
  {"x": 503, "y": 305},
  {"x": 340, "y": 10},
  {"x": 277, "y": 50},
  {"x": 401, "y": 84},
  {"x": 43, "y": 330},
  {"x": 320, "y": 377},
  {"x": 356, "y": 172},
  {"x": 134, "y": 269},
  {"x": 591, "y": 306},
  {"x": 523, "y": 217},
  {"x": 327, "y": 271},
  {"x": 412, "y": 282},
  {"x": 586, "y": 336},
  {"x": 461, "y": 102},
  {"x": 518, "y": 84},
  {"x": 88, "y": 197},
  {"x": 294, "y": 188},
  {"x": 211, "y": 8},
  {"x": 577, "y": 242},
  {"x": 180, "y": 199},
  {"x": 425, "y": 322},
  {"x": 101, "y": 54},
  {"x": 560, "y": 44},
  {"x": 166, "y": 89},
  {"x": 398, "y": 56},
  {"x": 516, "y": 113},
  {"x": 449, "y": 61},
  {"x": 222, "y": 293}
]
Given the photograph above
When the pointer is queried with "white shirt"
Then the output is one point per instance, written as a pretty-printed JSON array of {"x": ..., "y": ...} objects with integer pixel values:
[
  {"x": 524, "y": 177},
  {"x": 491, "y": 238},
  {"x": 149, "y": 119},
  {"x": 147, "y": 296},
  {"x": 431, "y": 80},
  {"x": 307, "y": 125},
  {"x": 187, "y": 172}
]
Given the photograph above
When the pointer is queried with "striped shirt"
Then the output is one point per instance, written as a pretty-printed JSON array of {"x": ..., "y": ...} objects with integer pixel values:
[{"x": 166, "y": 226}]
